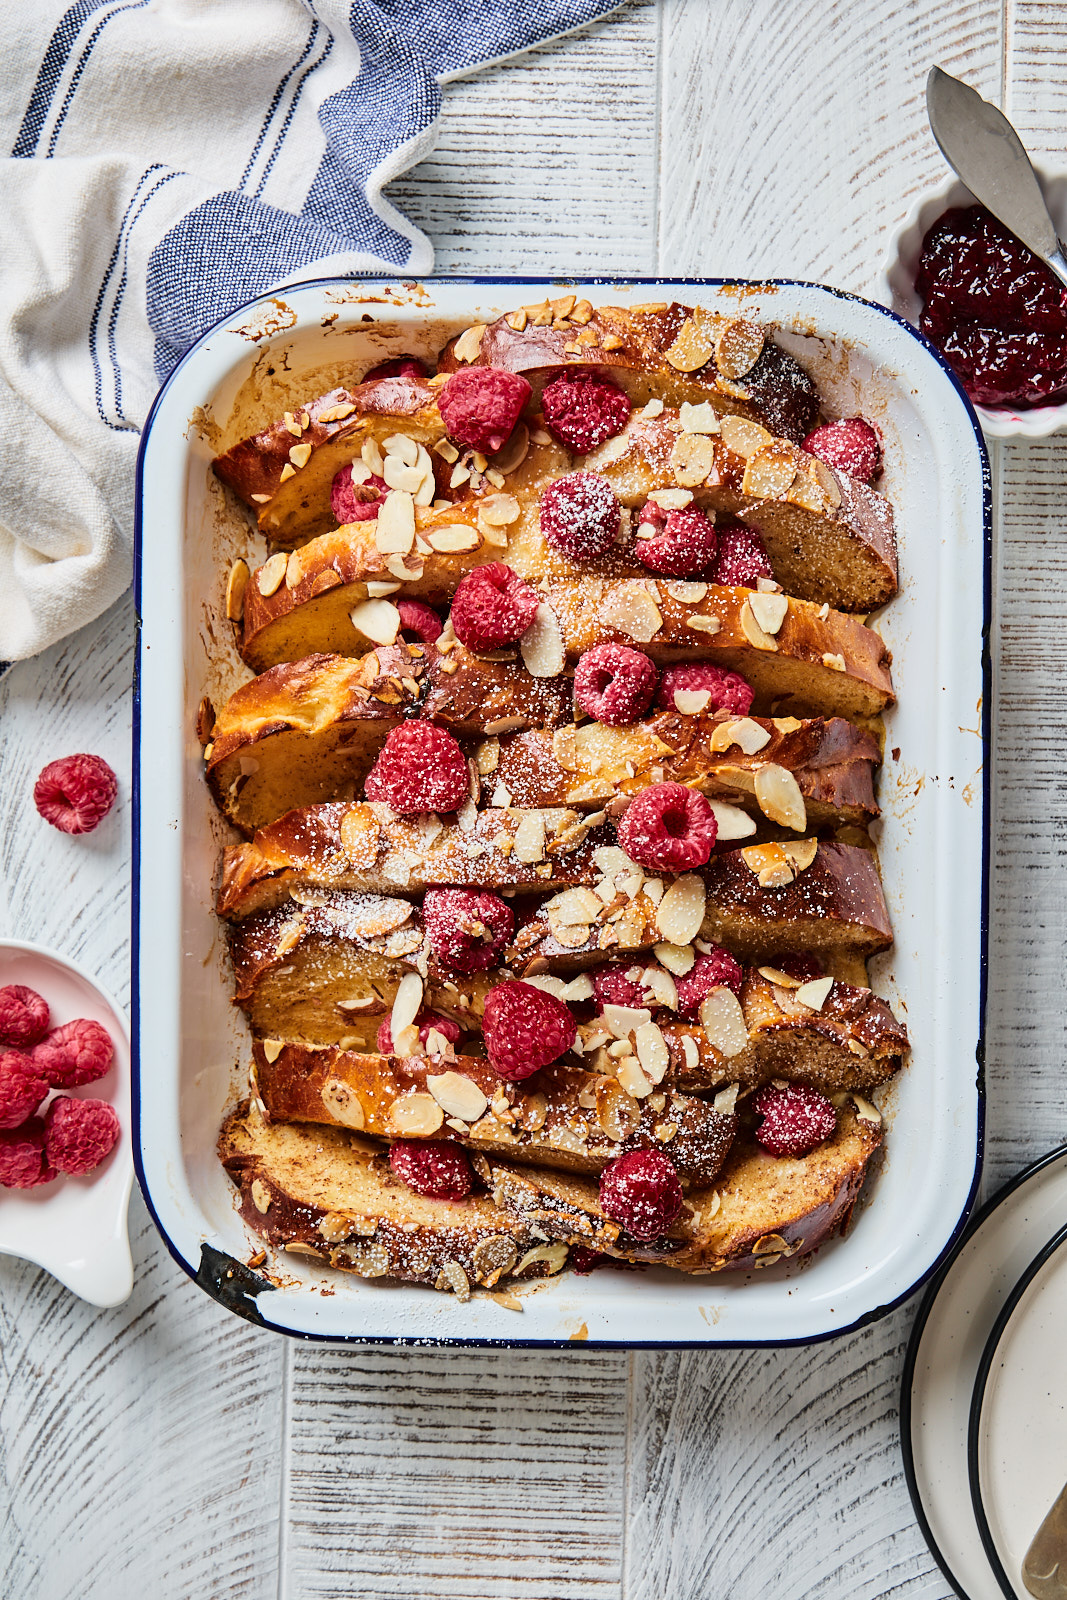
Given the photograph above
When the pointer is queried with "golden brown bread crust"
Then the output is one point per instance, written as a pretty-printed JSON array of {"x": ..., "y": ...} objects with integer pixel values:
[
  {"x": 563, "y": 1116},
  {"x": 310, "y": 730},
  {"x": 630, "y": 346},
  {"x": 762, "y": 1210},
  {"x": 324, "y": 1192}
]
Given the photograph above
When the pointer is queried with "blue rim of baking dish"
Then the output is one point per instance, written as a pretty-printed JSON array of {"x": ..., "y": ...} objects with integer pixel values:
[
  {"x": 980, "y": 1217},
  {"x": 252, "y": 1310},
  {"x": 974, "y": 1426}
]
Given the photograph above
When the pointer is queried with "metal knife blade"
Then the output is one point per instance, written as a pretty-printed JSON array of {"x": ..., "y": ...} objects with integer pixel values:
[{"x": 981, "y": 145}]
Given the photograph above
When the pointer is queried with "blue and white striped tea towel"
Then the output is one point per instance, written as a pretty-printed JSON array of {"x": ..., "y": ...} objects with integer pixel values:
[{"x": 168, "y": 160}]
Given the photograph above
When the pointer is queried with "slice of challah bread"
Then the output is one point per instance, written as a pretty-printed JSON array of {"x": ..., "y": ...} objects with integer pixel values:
[
  {"x": 562, "y": 1117},
  {"x": 763, "y": 1209},
  {"x": 328, "y": 1194},
  {"x": 674, "y": 352}
]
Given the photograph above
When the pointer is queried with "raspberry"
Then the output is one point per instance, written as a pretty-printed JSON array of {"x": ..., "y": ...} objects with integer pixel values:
[
  {"x": 852, "y": 445},
  {"x": 681, "y": 546},
  {"x": 580, "y": 515},
  {"x": 614, "y": 987},
  {"x": 796, "y": 1119},
  {"x": 356, "y": 502},
  {"x": 427, "y": 1021},
  {"x": 24, "y": 1016},
  {"x": 419, "y": 768},
  {"x": 436, "y": 1168},
  {"x": 23, "y": 1163},
  {"x": 419, "y": 619},
  {"x": 76, "y": 1053},
  {"x": 583, "y": 410},
  {"x": 614, "y": 684},
  {"x": 78, "y": 1134},
  {"x": 525, "y": 1028},
  {"x": 583, "y": 1261},
  {"x": 492, "y": 606},
  {"x": 641, "y": 1192},
  {"x": 75, "y": 793},
  {"x": 481, "y": 405},
  {"x": 803, "y": 966},
  {"x": 715, "y": 970},
  {"x": 22, "y": 1088},
  {"x": 668, "y": 827},
  {"x": 467, "y": 930},
  {"x": 399, "y": 367},
  {"x": 728, "y": 690},
  {"x": 742, "y": 560}
]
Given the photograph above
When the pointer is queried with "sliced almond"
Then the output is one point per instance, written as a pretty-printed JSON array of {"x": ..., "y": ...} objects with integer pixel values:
[
  {"x": 236, "y": 584},
  {"x": 395, "y": 565},
  {"x": 769, "y": 610},
  {"x": 691, "y": 1052},
  {"x": 802, "y": 853},
  {"x": 404, "y": 449},
  {"x": 744, "y": 438},
  {"x": 616, "y": 1112},
  {"x": 415, "y": 1116},
  {"x": 661, "y": 986},
  {"x": 771, "y": 865},
  {"x": 865, "y": 1111},
  {"x": 752, "y": 630},
  {"x": 456, "y": 1095},
  {"x": 542, "y": 645},
  {"x": 271, "y": 573},
  {"x": 691, "y": 349},
  {"x": 671, "y": 499},
  {"x": 573, "y": 906},
  {"x": 680, "y": 913},
  {"x": 406, "y": 1004},
  {"x": 836, "y": 663},
  {"x": 487, "y": 757},
  {"x": 769, "y": 474},
  {"x": 814, "y": 994},
  {"x": 499, "y": 509},
  {"x": 394, "y": 530},
  {"x": 529, "y": 842},
  {"x": 621, "y": 1021},
  {"x": 829, "y": 483},
  {"x": 749, "y": 735},
  {"x": 378, "y": 591},
  {"x": 371, "y": 457},
  {"x": 491, "y": 1258},
  {"x": 468, "y": 346},
  {"x": 300, "y": 454},
  {"x": 408, "y": 480},
  {"x": 691, "y": 701},
  {"x": 633, "y": 1079},
  {"x": 272, "y": 1049},
  {"x": 738, "y": 347},
  {"x": 700, "y": 418},
  {"x": 343, "y": 1104},
  {"x": 677, "y": 958},
  {"x": 455, "y": 536},
  {"x": 630, "y": 608},
  {"x": 552, "y": 1256},
  {"x": 701, "y": 624},
  {"x": 731, "y": 821},
  {"x": 723, "y": 1022},
  {"x": 654, "y": 408},
  {"x": 687, "y": 594},
  {"x": 376, "y": 619},
  {"x": 652, "y": 1051},
  {"x": 360, "y": 836},
  {"x": 579, "y": 988},
  {"x": 692, "y": 459},
  {"x": 453, "y": 1280},
  {"x": 779, "y": 798}
]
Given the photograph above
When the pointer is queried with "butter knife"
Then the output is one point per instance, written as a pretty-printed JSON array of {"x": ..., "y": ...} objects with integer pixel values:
[
  {"x": 1045, "y": 1563},
  {"x": 982, "y": 147}
]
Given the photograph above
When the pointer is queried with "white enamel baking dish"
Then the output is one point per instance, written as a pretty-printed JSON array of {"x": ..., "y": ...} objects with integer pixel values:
[{"x": 191, "y": 1045}]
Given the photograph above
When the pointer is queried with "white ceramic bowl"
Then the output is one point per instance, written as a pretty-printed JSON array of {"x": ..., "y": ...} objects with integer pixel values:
[
  {"x": 76, "y": 1227},
  {"x": 896, "y": 288}
]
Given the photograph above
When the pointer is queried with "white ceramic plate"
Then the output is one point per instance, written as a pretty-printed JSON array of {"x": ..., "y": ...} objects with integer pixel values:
[
  {"x": 950, "y": 1335},
  {"x": 896, "y": 288},
  {"x": 76, "y": 1227},
  {"x": 1018, "y": 1427},
  {"x": 191, "y": 1045}
]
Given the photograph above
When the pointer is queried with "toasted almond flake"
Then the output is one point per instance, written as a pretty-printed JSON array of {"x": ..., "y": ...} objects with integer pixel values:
[
  {"x": 548, "y": 982},
  {"x": 749, "y": 735},
  {"x": 612, "y": 858},
  {"x": 378, "y": 620},
  {"x": 406, "y": 1004},
  {"x": 836, "y": 663},
  {"x": 453, "y": 1280},
  {"x": 680, "y": 913},
  {"x": 691, "y": 348},
  {"x": 611, "y": 341},
  {"x": 343, "y": 1104},
  {"x": 414, "y": 1115},
  {"x": 691, "y": 701},
  {"x": 460, "y": 476},
  {"x": 446, "y": 450},
  {"x": 236, "y": 584},
  {"x": 671, "y": 499},
  {"x": 691, "y": 1051},
  {"x": 700, "y": 418},
  {"x": 271, "y": 573},
  {"x": 752, "y": 630},
  {"x": 802, "y": 853},
  {"x": 336, "y": 413},
  {"x": 814, "y": 994},
  {"x": 780, "y": 980},
  {"x": 779, "y": 798},
  {"x": 371, "y": 456},
  {"x": 725, "y": 1102},
  {"x": 529, "y": 841},
  {"x": 394, "y": 530},
  {"x": 287, "y": 472},
  {"x": 378, "y": 591},
  {"x": 652, "y": 1051},
  {"x": 744, "y": 438},
  {"x": 769, "y": 610},
  {"x": 487, "y": 757},
  {"x": 457, "y": 1095},
  {"x": 262, "y": 499},
  {"x": 456, "y": 536},
  {"x": 631, "y": 609},
  {"x": 701, "y": 624},
  {"x": 294, "y": 570},
  {"x": 542, "y": 645},
  {"x": 300, "y": 454},
  {"x": 469, "y": 343},
  {"x": 554, "y": 1257},
  {"x": 405, "y": 449},
  {"x": 692, "y": 458},
  {"x": 829, "y": 483},
  {"x": 399, "y": 476},
  {"x": 621, "y": 1021},
  {"x": 654, "y": 408},
  {"x": 769, "y": 474},
  {"x": 290, "y": 423},
  {"x": 582, "y": 313},
  {"x": 662, "y": 988},
  {"x": 723, "y": 1022},
  {"x": 579, "y": 988},
  {"x": 632, "y": 1078},
  {"x": 770, "y": 863},
  {"x": 500, "y": 509},
  {"x": 360, "y": 835},
  {"x": 677, "y": 958},
  {"x": 573, "y": 906},
  {"x": 865, "y": 1110},
  {"x": 738, "y": 347},
  {"x": 272, "y": 1049},
  {"x": 516, "y": 320},
  {"x": 686, "y": 593}
]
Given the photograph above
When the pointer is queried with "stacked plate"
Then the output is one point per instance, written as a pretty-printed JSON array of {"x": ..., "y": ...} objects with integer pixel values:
[{"x": 984, "y": 1399}]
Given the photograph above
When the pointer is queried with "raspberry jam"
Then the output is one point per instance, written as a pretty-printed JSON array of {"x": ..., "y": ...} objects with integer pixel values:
[{"x": 994, "y": 310}]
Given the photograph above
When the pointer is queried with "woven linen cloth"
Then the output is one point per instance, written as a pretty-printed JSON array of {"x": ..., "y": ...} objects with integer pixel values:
[{"x": 167, "y": 160}]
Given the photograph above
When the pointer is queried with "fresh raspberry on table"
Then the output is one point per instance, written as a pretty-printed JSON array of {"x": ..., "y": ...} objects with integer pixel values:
[
  {"x": 492, "y": 606},
  {"x": 75, "y": 793},
  {"x": 804, "y": 966},
  {"x": 436, "y": 1168},
  {"x": 727, "y": 691},
  {"x": 481, "y": 405},
  {"x": 24, "y": 1016},
  {"x": 399, "y": 367},
  {"x": 356, "y": 502},
  {"x": 419, "y": 619},
  {"x": 852, "y": 445},
  {"x": 641, "y": 1191},
  {"x": 427, "y": 1022},
  {"x": 23, "y": 1163},
  {"x": 525, "y": 1028},
  {"x": 78, "y": 1134},
  {"x": 614, "y": 684},
  {"x": 742, "y": 560},
  {"x": 715, "y": 970},
  {"x": 668, "y": 827},
  {"x": 614, "y": 987},
  {"x": 583, "y": 410},
  {"x": 580, "y": 515},
  {"x": 22, "y": 1088},
  {"x": 75, "y": 1053},
  {"x": 796, "y": 1119},
  {"x": 682, "y": 546},
  {"x": 467, "y": 930},
  {"x": 420, "y": 767}
]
